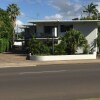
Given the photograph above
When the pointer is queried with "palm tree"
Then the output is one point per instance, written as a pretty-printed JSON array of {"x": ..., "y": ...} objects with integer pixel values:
[
  {"x": 91, "y": 9},
  {"x": 13, "y": 12},
  {"x": 73, "y": 40}
]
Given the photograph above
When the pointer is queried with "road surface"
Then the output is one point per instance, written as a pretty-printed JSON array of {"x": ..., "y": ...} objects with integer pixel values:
[{"x": 50, "y": 82}]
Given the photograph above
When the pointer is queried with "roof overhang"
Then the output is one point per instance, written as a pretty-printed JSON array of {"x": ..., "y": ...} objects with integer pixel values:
[
  {"x": 22, "y": 27},
  {"x": 62, "y": 21},
  {"x": 28, "y": 25}
]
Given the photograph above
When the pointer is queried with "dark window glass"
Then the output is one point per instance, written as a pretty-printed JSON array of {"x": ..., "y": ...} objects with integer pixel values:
[
  {"x": 35, "y": 30},
  {"x": 64, "y": 28},
  {"x": 48, "y": 29}
]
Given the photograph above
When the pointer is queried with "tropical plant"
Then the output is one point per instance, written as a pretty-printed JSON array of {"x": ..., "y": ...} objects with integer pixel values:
[
  {"x": 91, "y": 9},
  {"x": 4, "y": 45},
  {"x": 60, "y": 48},
  {"x": 92, "y": 12},
  {"x": 5, "y": 25},
  {"x": 86, "y": 49},
  {"x": 73, "y": 39},
  {"x": 37, "y": 47},
  {"x": 13, "y": 12},
  {"x": 6, "y": 29}
]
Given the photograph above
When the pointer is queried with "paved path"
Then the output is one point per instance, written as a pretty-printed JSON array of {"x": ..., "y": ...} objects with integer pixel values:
[
  {"x": 19, "y": 60},
  {"x": 14, "y": 60},
  {"x": 10, "y": 57}
]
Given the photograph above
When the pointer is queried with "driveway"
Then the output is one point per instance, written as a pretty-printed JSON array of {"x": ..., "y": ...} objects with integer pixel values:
[{"x": 10, "y": 57}]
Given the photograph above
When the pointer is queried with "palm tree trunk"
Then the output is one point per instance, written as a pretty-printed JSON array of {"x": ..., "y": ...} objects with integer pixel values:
[
  {"x": 89, "y": 14},
  {"x": 14, "y": 25}
]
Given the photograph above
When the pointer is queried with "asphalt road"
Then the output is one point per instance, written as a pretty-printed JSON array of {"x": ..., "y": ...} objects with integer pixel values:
[{"x": 52, "y": 82}]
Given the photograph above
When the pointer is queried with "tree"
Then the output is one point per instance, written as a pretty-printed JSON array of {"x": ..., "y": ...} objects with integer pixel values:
[
  {"x": 5, "y": 25},
  {"x": 73, "y": 40},
  {"x": 91, "y": 9},
  {"x": 13, "y": 12},
  {"x": 6, "y": 31},
  {"x": 37, "y": 47}
]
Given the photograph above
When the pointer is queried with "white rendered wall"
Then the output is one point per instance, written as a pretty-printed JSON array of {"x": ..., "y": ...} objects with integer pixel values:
[
  {"x": 63, "y": 57},
  {"x": 90, "y": 31}
]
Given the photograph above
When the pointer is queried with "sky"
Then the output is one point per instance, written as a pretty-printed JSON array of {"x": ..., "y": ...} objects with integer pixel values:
[{"x": 48, "y": 9}]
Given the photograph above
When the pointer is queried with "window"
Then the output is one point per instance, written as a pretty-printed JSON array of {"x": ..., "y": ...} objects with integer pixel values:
[
  {"x": 64, "y": 28},
  {"x": 48, "y": 29}
]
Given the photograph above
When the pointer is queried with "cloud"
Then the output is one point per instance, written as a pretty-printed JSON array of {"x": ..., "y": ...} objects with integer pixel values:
[
  {"x": 67, "y": 9},
  {"x": 54, "y": 17},
  {"x": 98, "y": 7},
  {"x": 19, "y": 23},
  {"x": 27, "y": 1},
  {"x": 33, "y": 1},
  {"x": 70, "y": 9}
]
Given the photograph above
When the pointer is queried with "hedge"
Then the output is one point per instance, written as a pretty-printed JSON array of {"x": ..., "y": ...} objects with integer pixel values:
[{"x": 4, "y": 45}]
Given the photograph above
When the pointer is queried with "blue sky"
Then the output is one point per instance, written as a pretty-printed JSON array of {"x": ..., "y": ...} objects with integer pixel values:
[{"x": 48, "y": 9}]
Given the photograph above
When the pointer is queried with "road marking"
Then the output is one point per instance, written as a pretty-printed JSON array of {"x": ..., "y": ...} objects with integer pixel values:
[
  {"x": 52, "y": 71},
  {"x": 41, "y": 72},
  {"x": 59, "y": 71}
]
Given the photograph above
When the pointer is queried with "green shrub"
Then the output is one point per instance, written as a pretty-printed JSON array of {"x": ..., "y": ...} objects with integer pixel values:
[
  {"x": 4, "y": 45},
  {"x": 73, "y": 40},
  {"x": 86, "y": 49},
  {"x": 70, "y": 43},
  {"x": 37, "y": 47},
  {"x": 60, "y": 48}
]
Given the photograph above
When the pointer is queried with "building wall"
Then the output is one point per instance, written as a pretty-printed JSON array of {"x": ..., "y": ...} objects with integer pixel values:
[
  {"x": 40, "y": 27},
  {"x": 59, "y": 25},
  {"x": 90, "y": 31},
  {"x": 29, "y": 32}
]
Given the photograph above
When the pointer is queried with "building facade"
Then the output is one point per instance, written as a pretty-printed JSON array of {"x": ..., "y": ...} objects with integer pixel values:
[{"x": 48, "y": 29}]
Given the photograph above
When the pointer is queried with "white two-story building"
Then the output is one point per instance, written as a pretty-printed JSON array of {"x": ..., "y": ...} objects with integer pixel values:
[{"x": 48, "y": 29}]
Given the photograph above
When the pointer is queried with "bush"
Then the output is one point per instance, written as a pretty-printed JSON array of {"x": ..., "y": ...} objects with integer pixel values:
[
  {"x": 86, "y": 49},
  {"x": 60, "y": 48},
  {"x": 70, "y": 43},
  {"x": 4, "y": 45},
  {"x": 37, "y": 47},
  {"x": 6, "y": 31}
]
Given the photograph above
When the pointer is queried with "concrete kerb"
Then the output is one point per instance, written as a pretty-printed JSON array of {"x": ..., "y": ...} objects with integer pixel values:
[
  {"x": 69, "y": 62},
  {"x": 37, "y": 63}
]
